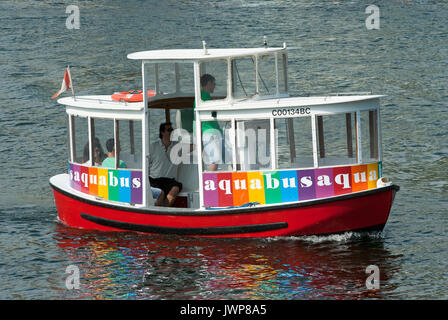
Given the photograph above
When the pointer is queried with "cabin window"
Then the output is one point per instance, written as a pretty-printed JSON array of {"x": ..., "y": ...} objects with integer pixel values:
[
  {"x": 169, "y": 78},
  {"x": 79, "y": 139},
  {"x": 175, "y": 78},
  {"x": 218, "y": 70},
  {"x": 102, "y": 130},
  {"x": 336, "y": 139},
  {"x": 267, "y": 83},
  {"x": 130, "y": 141},
  {"x": 166, "y": 77},
  {"x": 243, "y": 77},
  {"x": 185, "y": 78},
  {"x": 217, "y": 145},
  {"x": 369, "y": 136},
  {"x": 294, "y": 143},
  {"x": 253, "y": 144},
  {"x": 151, "y": 73}
]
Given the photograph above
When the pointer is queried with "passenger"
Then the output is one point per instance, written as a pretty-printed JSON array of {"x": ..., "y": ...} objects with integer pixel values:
[
  {"x": 98, "y": 153},
  {"x": 109, "y": 162},
  {"x": 212, "y": 136},
  {"x": 162, "y": 171},
  {"x": 157, "y": 194},
  {"x": 208, "y": 84},
  {"x": 187, "y": 115}
]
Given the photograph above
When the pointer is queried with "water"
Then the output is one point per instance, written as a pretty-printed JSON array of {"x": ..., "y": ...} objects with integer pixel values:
[{"x": 406, "y": 59}]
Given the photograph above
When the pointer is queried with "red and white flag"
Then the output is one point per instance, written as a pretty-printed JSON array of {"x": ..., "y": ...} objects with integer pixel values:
[{"x": 66, "y": 83}]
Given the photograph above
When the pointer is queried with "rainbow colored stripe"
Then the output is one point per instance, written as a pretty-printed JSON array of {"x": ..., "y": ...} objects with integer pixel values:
[
  {"x": 117, "y": 185},
  {"x": 237, "y": 188}
]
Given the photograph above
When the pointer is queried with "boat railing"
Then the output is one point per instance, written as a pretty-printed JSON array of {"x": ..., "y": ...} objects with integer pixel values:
[
  {"x": 103, "y": 101},
  {"x": 354, "y": 93}
]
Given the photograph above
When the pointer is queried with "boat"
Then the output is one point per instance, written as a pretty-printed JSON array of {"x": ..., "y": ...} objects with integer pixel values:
[{"x": 289, "y": 165}]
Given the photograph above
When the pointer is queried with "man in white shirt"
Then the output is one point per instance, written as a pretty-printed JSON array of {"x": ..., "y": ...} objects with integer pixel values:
[{"x": 162, "y": 172}]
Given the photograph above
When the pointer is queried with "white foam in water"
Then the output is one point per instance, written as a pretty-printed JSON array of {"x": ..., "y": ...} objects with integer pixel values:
[{"x": 342, "y": 237}]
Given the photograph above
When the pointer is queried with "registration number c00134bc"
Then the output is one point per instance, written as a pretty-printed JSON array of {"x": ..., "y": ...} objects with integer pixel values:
[{"x": 284, "y": 112}]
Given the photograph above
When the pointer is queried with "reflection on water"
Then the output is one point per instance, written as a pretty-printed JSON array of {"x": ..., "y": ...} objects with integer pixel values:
[{"x": 136, "y": 266}]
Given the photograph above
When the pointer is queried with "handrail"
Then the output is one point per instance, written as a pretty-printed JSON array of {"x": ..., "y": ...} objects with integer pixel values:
[
  {"x": 101, "y": 101},
  {"x": 349, "y": 93}
]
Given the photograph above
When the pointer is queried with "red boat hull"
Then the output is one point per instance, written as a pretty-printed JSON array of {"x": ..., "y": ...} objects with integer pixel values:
[{"x": 367, "y": 210}]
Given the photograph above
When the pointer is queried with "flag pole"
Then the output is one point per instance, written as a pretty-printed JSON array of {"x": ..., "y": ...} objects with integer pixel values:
[{"x": 71, "y": 82}]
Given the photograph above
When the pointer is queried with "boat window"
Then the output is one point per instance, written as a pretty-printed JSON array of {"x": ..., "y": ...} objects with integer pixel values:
[
  {"x": 170, "y": 78},
  {"x": 294, "y": 141},
  {"x": 336, "y": 139},
  {"x": 130, "y": 140},
  {"x": 243, "y": 77},
  {"x": 102, "y": 130},
  {"x": 218, "y": 70},
  {"x": 217, "y": 144},
  {"x": 150, "y": 76},
  {"x": 80, "y": 139},
  {"x": 266, "y": 75},
  {"x": 185, "y": 78},
  {"x": 369, "y": 135},
  {"x": 253, "y": 144},
  {"x": 166, "y": 77}
]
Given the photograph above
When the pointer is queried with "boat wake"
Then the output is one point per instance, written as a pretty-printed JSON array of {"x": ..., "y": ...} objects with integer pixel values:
[{"x": 341, "y": 237}]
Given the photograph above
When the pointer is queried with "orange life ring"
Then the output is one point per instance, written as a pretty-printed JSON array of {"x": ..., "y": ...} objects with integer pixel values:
[{"x": 131, "y": 96}]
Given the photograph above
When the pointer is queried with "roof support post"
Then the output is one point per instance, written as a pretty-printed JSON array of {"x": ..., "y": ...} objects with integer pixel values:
[
  {"x": 91, "y": 129},
  {"x": 276, "y": 74},
  {"x": 257, "y": 85},
  {"x": 314, "y": 136},
  {"x": 373, "y": 134},
  {"x": 358, "y": 137},
  {"x": 233, "y": 141},
  {"x": 177, "y": 76},
  {"x": 229, "y": 79},
  {"x": 273, "y": 144},
  {"x": 71, "y": 125},
  {"x": 146, "y": 190},
  {"x": 320, "y": 131},
  {"x": 348, "y": 127},
  {"x": 198, "y": 129},
  {"x": 117, "y": 143},
  {"x": 285, "y": 70},
  {"x": 156, "y": 78},
  {"x": 292, "y": 140},
  {"x": 379, "y": 142}
]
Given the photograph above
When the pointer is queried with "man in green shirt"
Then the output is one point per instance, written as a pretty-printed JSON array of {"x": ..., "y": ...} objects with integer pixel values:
[
  {"x": 208, "y": 84},
  {"x": 212, "y": 135},
  {"x": 109, "y": 162}
]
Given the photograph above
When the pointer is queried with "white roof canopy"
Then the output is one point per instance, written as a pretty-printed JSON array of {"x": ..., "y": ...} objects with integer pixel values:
[{"x": 199, "y": 54}]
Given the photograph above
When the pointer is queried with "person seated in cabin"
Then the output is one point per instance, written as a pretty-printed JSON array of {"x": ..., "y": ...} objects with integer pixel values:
[
  {"x": 98, "y": 154},
  {"x": 158, "y": 194},
  {"x": 109, "y": 162},
  {"x": 162, "y": 171}
]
